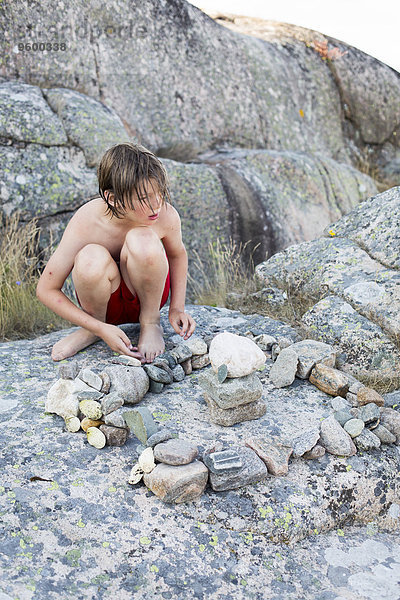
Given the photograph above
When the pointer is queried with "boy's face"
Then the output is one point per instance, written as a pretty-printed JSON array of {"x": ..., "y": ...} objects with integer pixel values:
[{"x": 143, "y": 214}]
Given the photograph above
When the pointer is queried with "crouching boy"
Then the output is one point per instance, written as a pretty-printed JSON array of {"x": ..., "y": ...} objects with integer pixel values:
[{"x": 125, "y": 251}]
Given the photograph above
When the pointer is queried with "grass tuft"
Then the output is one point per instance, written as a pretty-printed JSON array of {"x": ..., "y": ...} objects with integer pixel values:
[{"x": 22, "y": 315}]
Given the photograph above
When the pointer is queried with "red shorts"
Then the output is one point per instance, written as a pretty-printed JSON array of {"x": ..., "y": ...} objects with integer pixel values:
[{"x": 122, "y": 307}]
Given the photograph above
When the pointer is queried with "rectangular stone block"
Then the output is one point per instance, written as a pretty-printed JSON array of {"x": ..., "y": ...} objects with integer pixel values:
[
  {"x": 230, "y": 416},
  {"x": 232, "y": 392},
  {"x": 253, "y": 470}
]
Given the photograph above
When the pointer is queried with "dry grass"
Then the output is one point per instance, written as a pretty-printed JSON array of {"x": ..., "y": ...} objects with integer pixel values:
[
  {"x": 226, "y": 278},
  {"x": 22, "y": 316}
]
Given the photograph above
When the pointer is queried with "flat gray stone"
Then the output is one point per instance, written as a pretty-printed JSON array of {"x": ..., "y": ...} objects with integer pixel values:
[
  {"x": 311, "y": 352},
  {"x": 225, "y": 461},
  {"x": 177, "y": 484},
  {"x": 354, "y": 427},
  {"x": 284, "y": 369},
  {"x": 231, "y": 416},
  {"x": 335, "y": 439},
  {"x": 176, "y": 452},
  {"x": 140, "y": 421},
  {"x": 304, "y": 442},
  {"x": 232, "y": 392},
  {"x": 367, "y": 440},
  {"x": 273, "y": 453},
  {"x": 253, "y": 470}
]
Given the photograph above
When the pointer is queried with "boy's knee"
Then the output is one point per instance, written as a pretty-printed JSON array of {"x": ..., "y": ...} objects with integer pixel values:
[
  {"x": 91, "y": 260},
  {"x": 144, "y": 244}
]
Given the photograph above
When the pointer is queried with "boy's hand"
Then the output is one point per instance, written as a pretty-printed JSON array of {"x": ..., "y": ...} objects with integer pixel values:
[
  {"x": 182, "y": 322},
  {"x": 117, "y": 340}
]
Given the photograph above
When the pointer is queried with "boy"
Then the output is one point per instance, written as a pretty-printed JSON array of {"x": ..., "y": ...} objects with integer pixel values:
[{"x": 123, "y": 257}]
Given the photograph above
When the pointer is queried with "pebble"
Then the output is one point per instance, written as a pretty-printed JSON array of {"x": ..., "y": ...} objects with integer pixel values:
[
  {"x": 91, "y": 378},
  {"x": 232, "y": 392},
  {"x": 390, "y": 418},
  {"x": 116, "y": 418},
  {"x": 339, "y": 403},
  {"x": 311, "y": 352},
  {"x": 96, "y": 438},
  {"x": 284, "y": 369},
  {"x": 367, "y": 440},
  {"x": 72, "y": 424},
  {"x": 240, "y": 354},
  {"x": 115, "y": 436},
  {"x": 86, "y": 423},
  {"x": 315, "y": 452},
  {"x": 124, "y": 359},
  {"x": 105, "y": 388},
  {"x": 384, "y": 435},
  {"x": 231, "y": 416},
  {"x": 91, "y": 409},
  {"x": 354, "y": 427},
  {"x": 365, "y": 395},
  {"x": 90, "y": 395},
  {"x": 181, "y": 353},
  {"x": 198, "y": 362},
  {"x": 110, "y": 403},
  {"x": 335, "y": 439},
  {"x": 273, "y": 453},
  {"x": 265, "y": 341},
  {"x": 177, "y": 484},
  {"x": 161, "y": 436},
  {"x": 146, "y": 460},
  {"x": 369, "y": 413},
  {"x": 304, "y": 442},
  {"x": 195, "y": 343},
  {"x": 342, "y": 416},
  {"x": 329, "y": 380},
  {"x": 168, "y": 357},
  {"x": 157, "y": 374},
  {"x": 69, "y": 370},
  {"x": 253, "y": 470},
  {"x": 140, "y": 421},
  {"x": 187, "y": 366},
  {"x": 178, "y": 373},
  {"x": 156, "y": 387},
  {"x": 225, "y": 461},
  {"x": 176, "y": 452}
]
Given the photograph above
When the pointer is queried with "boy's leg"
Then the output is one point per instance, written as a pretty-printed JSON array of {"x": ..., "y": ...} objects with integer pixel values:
[
  {"x": 144, "y": 268},
  {"x": 96, "y": 276}
]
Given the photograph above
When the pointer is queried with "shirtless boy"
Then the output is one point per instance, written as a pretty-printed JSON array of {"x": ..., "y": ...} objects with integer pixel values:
[{"x": 132, "y": 224}]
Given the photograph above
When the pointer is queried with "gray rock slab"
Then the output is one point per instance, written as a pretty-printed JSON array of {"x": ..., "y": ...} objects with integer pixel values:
[
  {"x": 367, "y": 440},
  {"x": 335, "y": 439},
  {"x": 311, "y": 352},
  {"x": 176, "y": 452},
  {"x": 284, "y": 369},
  {"x": 253, "y": 470},
  {"x": 232, "y": 392},
  {"x": 131, "y": 383},
  {"x": 304, "y": 442},
  {"x": 230, "y": 416}
]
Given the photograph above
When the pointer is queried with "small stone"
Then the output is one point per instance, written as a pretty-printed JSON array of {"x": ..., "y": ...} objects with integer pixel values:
[
  {"x": 392, "y": 399},
  {"x": 339, "y": 403},
  {"x": 178, "y": 374},
  {"x": 157, "y": 374},
  {"x": 156, "y": 387},
  {"x": 91, "y": 409},
  {"x": 354, "y": 427},
  {"x": 384, "y": 435},
  {"x": 365, "y": 395},
  {"x": 335, "y": 439},
  {"x": 369, "y": 413},
  {"x": 231, "y": 416},
  {"x": 342, "y": 416},
  {"x": 253, "y": 470},
  {"x": 110, "y": 403},
  {"x": 90, "y": 395},
  {"x": 91, "y": 378},
  {"x": 367, "y": 440},
  {"x": 169, "y": 358},
  {"x": 86, "y": 423},
  {"x": 105, "y": 388},
  {"x": 181, "y": 353},
  {"x": 96, "y": 438},
  {"x": 195, "y": 343},
  {"x": 352, "y": 399},
  {"x": 176, "y": 452},
  {"x": 311, "y": 352},
  {"x": 187, "y": 366},
  {"x": 273, "y": 453},
  {"x": 265, "y": 342},
  {"x": 72, "y": 424},
  {"x": 240, "y": 354},
  {"x": 124, "y": 359},
  {"x": 391, "y": 420},
  {"x": 304, "y": 442},
  {"x": 140, "y": 421},
  {"x": 61, "y": 398},
  {"x": 222, "y": 373},
  {"x": 284, "y": 369},
  {"x": 226, "y": 461},
  {"x": 136, "y": 474},
  {"x": 232, "y": 392},
  {"x": 354, "y": 385},
  {"x": 329, "y": 380},
  {"x": 275, "y": 351},
  {"x": 183, "y": 483},
  {"x": 68, "y": 370},
  {"x": 198, "y": 362},
  {"x": 161, "y": 436},
  {"x": 116, "y": 418},
  {"x": 115, "y": 436},
  {"x": 315, "y": 452},
  {"x": 131, "y": 384},
  {"x": 146, "y": 460}
]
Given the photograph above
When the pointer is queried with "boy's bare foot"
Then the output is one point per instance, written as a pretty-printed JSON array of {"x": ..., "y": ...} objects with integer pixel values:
[
  {"x": 71, "y": 344},
  {"x": 151, "y": 341}
]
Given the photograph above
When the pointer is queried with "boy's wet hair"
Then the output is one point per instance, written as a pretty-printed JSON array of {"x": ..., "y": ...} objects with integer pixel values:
[{"x": 123, "y": 169}]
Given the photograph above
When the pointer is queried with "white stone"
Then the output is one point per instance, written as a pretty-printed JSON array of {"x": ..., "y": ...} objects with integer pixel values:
[
  {"x": 61, "y": 399},
  {"x": 241, "y": 355}
]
